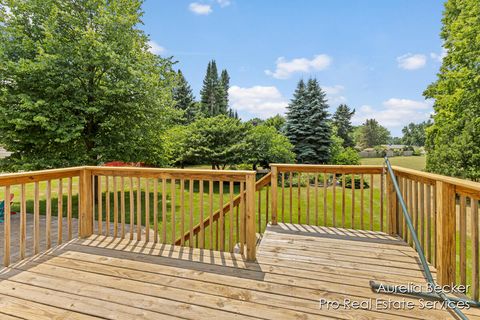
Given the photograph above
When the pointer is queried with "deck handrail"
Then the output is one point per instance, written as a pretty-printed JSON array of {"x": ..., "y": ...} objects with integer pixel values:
[{"x": 264, "y": 181}]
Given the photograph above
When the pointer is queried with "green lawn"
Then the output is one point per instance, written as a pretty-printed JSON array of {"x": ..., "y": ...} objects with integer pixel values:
[{"x": 413, "y": 162}]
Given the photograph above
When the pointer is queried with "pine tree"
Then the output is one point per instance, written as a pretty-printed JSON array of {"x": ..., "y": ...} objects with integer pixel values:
[
  {"x": 214, "y": 93},
  {"x": 184, "y": 99},
  {"x": 308, "y": 126},
  {"x": 342, "y": 120},
  {"x": 293, "y": 125},
  {"x": 223, "y": 93},
  {"x": 317, "y": 127}
]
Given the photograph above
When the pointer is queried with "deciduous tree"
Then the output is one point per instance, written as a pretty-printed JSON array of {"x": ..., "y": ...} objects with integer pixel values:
[{"x": 78, "y": 84}]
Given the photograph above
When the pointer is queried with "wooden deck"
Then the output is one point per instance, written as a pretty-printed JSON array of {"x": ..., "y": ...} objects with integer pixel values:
[{"x": 296, "y": 267}]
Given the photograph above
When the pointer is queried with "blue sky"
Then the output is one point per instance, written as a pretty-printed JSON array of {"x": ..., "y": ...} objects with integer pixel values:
[{"x": 376, "y": 56}]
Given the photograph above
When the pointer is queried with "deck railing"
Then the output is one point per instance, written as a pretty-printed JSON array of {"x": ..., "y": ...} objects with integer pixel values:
[
  {"x": 328, "y": 195},
  {"x": 141, "y": 204},
  {"x": 227, "y": 210},
  {"x": 445, "y": 214}
]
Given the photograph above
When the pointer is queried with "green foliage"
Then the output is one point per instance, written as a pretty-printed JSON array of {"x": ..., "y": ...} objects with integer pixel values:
[
  {"x": 264, "y": 145},
  {"x": 256, "y": 122},
  {"x": 395, "y": 140},
  {"x": 218, "y": 141},
  {"x": 452, "y": 141},
  {"x": 348, "y": 156},
  {"x": 342, "y": 120},
  {"x": 214, "y": 93},
  {"x": 414, "y": 134},
  {"x": 371, "y": 134},
  {"x": 278, "y": 122},
  {"x": 185, "y": 100},
  {"x": 78, "y": 85},
  {"x": 308, "y": 126},
  {"x": 357, "y": 184}
]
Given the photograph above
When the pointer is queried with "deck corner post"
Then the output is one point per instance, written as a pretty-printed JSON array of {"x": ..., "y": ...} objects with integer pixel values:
[
  {"x": 392, "y": 207},
  {"x": 86, "y": 204},
  {"x": 273, "y": 183},
  {"x": 251, "y": 237},
  {"x": 446, "y": 233}
]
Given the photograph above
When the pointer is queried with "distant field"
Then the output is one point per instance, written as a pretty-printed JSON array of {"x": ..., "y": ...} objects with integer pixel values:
[{"x": 417, "y": 163}]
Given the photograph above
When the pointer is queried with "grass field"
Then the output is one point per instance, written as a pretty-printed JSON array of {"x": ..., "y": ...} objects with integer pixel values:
[{"x": 414, "y": 162}]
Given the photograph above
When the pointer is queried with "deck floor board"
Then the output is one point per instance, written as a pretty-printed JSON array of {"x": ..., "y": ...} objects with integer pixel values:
[{"x": 106, "y": 278}]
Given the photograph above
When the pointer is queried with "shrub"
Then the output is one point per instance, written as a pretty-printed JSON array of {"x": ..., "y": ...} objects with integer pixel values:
[{"x": 357, "y": 183}]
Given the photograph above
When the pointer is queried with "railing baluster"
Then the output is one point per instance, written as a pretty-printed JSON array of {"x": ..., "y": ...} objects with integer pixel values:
[
  {"x": 122, "y": 206},
  {"x": 267, "y": 193},
  {"x": 107, "y": 206},
  {"x": 139, "y": 210},
  {"x": 182, "y": 209},
  {"x": 362, "y": 199},
  {"x": 115, "y": 207},
  {"x": 316, "y": 198},
  {"x": 210, "y": 207},
  {"x": 343, "y": 200},
  {"x": 242, "y": 218},
  {"x": 99, "y": 206},
  {"x": 147, "y": 210},
  {"x": 190, "y": 185},
  {"x": 475, "y": 254},
  {"x": 23, "y": 221},
  {"x": 283, "y": 197},
  {"x": 415, "y": 206},
  {"x": 231, "y": 246},
  {"x": 371, "y": 200},
  {"x": 299, "y": 198},
  {"x": 132, "y": 207},
  {"x": 428, "y": 204},
  {"x": 59, "y": 211},
  {"x": 69, "y": 208},
  {"x": 202, "y": 227},
  {"x": 334, "y": 205},
  {"x": 259, "y": 210},
  {"x": 308, "y": 199},
  {"x": 222, "y": 218},
  {"x": 173, "y": 208},
  {"x": 155, "y": 212},
  {"x": 382, "y": 199},
  {"x": 290, "y": 182},
  {"x": 6, "y": 228},
  {"x": 164, "y": 211},
  {"x": 352, "y": 217},
  {"x": 463, "y": 240},
  {"x": 36, "y": 219},
  {"x": 48, "y": 218},
  {"x": 422, "y": 214},
  {"x": 325, "y": 190}
]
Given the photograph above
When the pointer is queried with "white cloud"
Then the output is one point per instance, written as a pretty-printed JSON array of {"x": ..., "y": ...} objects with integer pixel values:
[
  {"x": 395, "y": 113},
  {"x": 334, "y": 94},
  {"x": 439, "y": 56},
  {"x": 224, "y": 3},
  {"x": 155, "y": 48},
  {"x": 286, "y": 68},
  {"x": 200, "y": 8},
  {"x": 412, "y": 61},
  {"x": 258, "y": 101}
]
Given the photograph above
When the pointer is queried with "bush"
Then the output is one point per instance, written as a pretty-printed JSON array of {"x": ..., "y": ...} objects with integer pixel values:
[
  {"x": 348, "y": 156},
  {"x": 357, "y": 182}
]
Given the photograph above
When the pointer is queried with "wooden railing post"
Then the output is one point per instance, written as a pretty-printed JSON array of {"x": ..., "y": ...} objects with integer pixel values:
[
  {"x": 446, "y": 233},
  {"x": 392, "y": 207},
  {"x": 86, "y": 204},
  {"x": 251, "y": 237},
  {"x": 273, "y": 183}
]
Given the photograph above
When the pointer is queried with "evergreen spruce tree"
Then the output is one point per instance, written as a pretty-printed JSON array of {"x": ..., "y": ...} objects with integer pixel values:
[
  {"x": 292, "y": 127},
  {"x": 209, "y": 92},
  {"x": 308, "y": 126},
  {"x": 223, "y": 93},
  {"x": 317, "y": 127},
  {"x": 184, "y": 99},
  {"x": 342, "y": 120}
]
